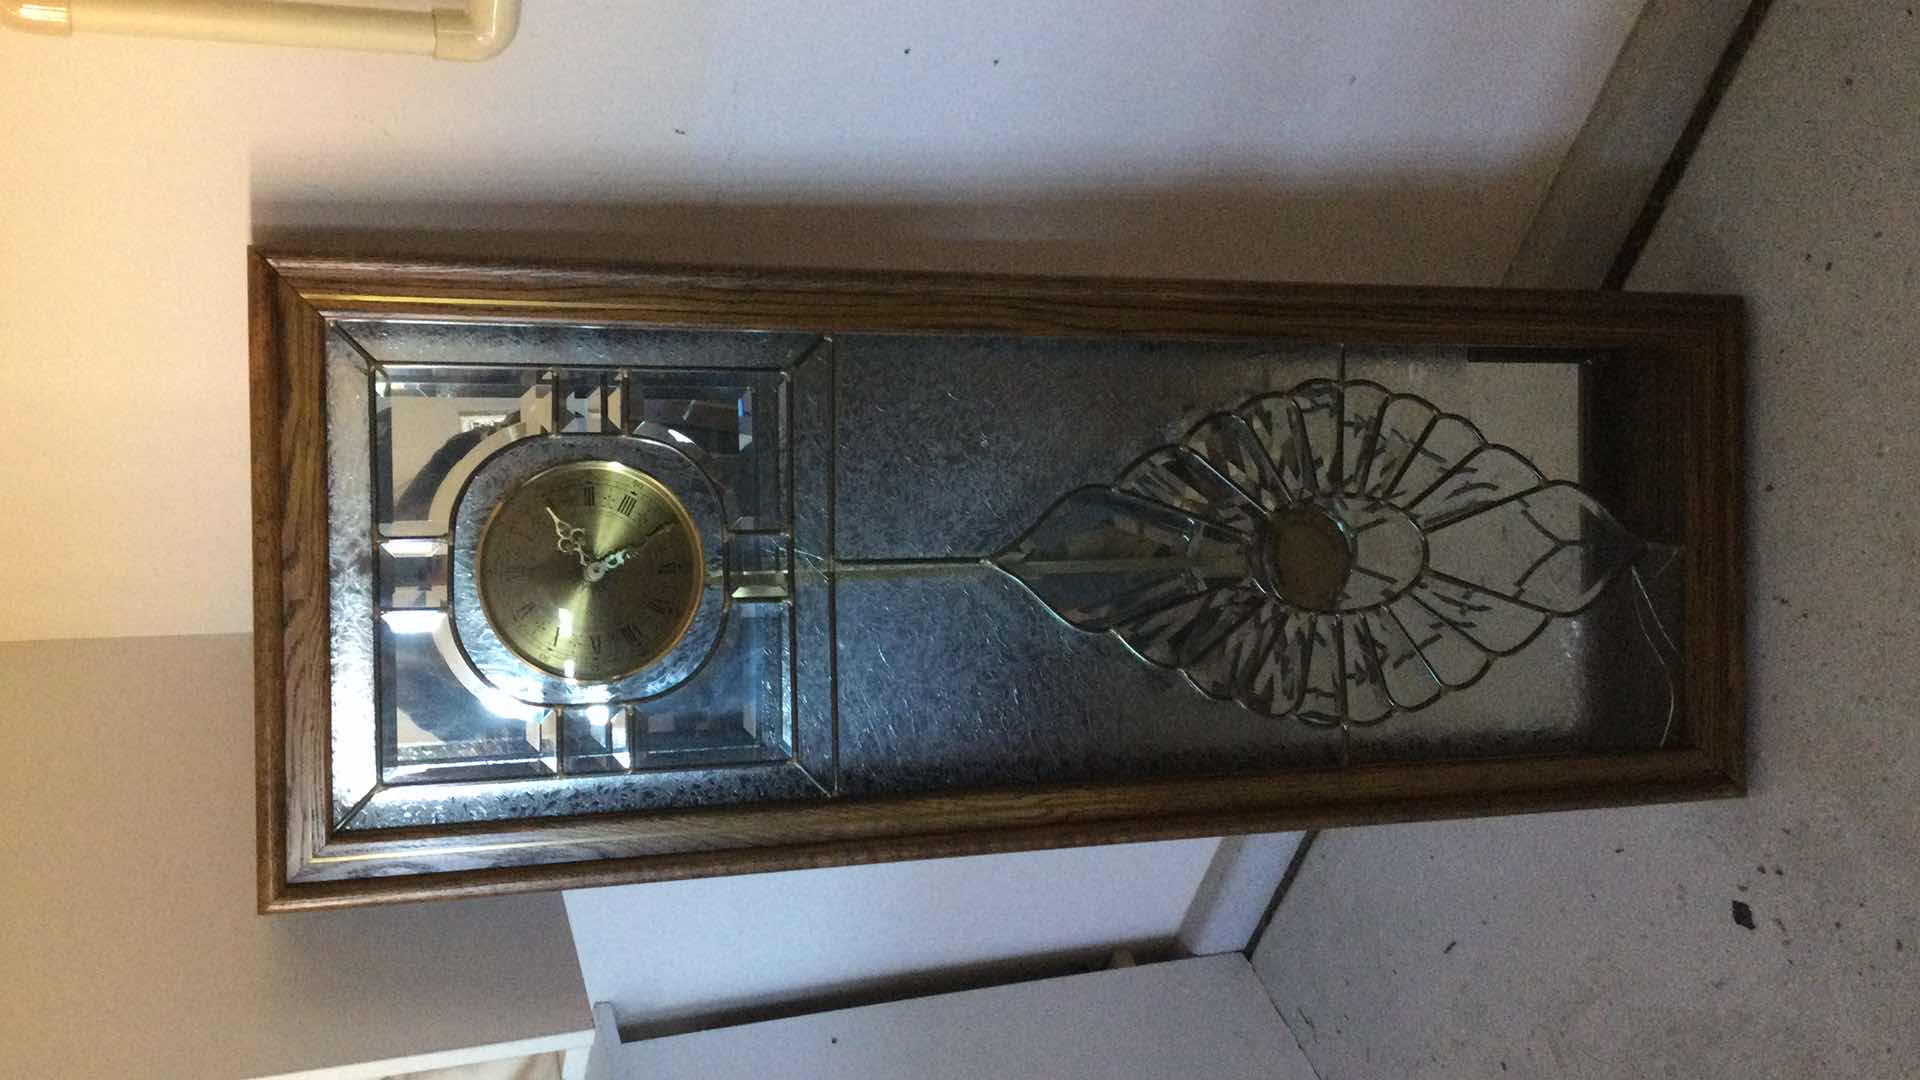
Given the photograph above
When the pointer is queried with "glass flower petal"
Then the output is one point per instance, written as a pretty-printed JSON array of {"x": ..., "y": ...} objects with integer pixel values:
[
  {"x": 1366, "y": 699},
  {"x": 1364, "y": 405},
  {"x": 1226, "y": 443},
  {"x": 1271, "y": 676},
  {"x": 1454, "y": 659},
  {"x": 1325, "y": 699},
  {"x": 1390, "y": 661},
  {"x": 1490, "y": 621},
  {"x": 1389, "y": 553},
  {"x": 1403, "y": 426},
  {"x": 1323, "y": 418},
  {"x": 1182, "y": 633},
  {"x": 1175, "y": 476},
  {"x": 1448, "y": 441},
  {"x": 1489, "y": 475},
  {"x": 1218, "y": 671},
  {"x": 1554, "y": 548},
  {"x": 1275, "y": 422}
]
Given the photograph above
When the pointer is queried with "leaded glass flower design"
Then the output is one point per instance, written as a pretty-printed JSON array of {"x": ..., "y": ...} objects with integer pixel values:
[{"x": 1336, "y": 552}]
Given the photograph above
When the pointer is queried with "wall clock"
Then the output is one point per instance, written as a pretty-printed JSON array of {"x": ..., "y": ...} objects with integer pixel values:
[
  {"x": 579, "y": 575},
  {"x": 590, "y": 603}
]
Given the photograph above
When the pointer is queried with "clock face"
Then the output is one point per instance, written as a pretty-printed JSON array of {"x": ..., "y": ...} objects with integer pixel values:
[{"x": 590, "y": 570}]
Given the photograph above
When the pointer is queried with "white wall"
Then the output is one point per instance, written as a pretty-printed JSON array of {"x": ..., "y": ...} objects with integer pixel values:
[
  {"x": 129, "y": 946},
  {"x": 1366, "y": 141},
  {"x": 669, "y": 953}
]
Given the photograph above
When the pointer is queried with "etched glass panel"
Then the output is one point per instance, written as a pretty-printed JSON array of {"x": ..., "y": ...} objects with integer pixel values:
[{"x": 938, "y": 562}]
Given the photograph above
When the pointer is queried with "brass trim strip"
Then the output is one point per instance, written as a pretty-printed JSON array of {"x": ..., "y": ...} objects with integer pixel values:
[
  {"x": 471, "y": 301},
  {"x": 416, "y": 853}
]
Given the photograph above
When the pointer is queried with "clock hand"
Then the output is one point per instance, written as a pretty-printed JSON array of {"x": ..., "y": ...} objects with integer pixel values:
[
  {"x": 573, "y": 539},
  {"x": 600, "y": 567}
]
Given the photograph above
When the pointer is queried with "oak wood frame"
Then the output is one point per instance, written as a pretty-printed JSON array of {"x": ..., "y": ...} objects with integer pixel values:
[{"x": 1672, "y": 464}]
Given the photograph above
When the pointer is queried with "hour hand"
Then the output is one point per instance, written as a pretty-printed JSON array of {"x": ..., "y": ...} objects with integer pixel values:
[{"x": 600, "y": 567}]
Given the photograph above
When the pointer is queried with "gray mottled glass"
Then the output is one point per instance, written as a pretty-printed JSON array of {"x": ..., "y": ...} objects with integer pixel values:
[
  {"x": 810, "y": 398},
  {"x": 634, "y": 792},
  {"x": 350, "y": 601},
  {"x": 964, "y": 681},
  {"x": 955, "y": 445}
]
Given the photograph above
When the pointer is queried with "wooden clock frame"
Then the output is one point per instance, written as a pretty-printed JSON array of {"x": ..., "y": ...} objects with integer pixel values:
[{"x": 1669, "y": 462}]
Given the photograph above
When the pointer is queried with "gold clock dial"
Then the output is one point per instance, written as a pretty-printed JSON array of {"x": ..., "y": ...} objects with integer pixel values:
[{"x": 590, "y": 570}]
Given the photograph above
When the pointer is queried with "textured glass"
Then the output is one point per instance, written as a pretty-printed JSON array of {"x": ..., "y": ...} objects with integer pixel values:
[
  {"x": 353, "y": 726},
  {"x": 952, "y": 446},
  {"x": 400, "y": 805},
  {"x": 963, "y": 680},
  {"x": 535, "y": 344}
]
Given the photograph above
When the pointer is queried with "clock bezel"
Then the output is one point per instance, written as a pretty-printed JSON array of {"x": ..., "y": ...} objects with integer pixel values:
[
  {"x": 480, "y": 647},
  {"x": 687, "y": 601}
]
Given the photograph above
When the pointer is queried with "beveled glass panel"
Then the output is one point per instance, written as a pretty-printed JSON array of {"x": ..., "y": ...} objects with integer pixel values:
[
  {"x": 428, "y": 420},
  {"x": 733, "y": 418},
  {"x": 435, "y": 726},
  {"x": 590, "y": 400},
  {"x": 735, "y": 710},
  {"x": 598, "y": 738},
  {"x": 413, "y": 573}
]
